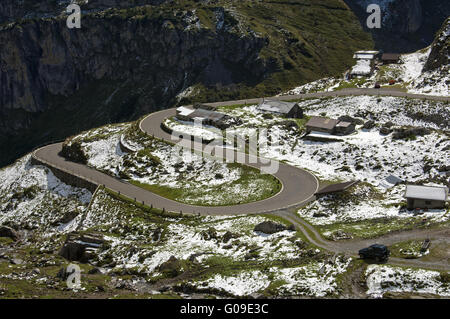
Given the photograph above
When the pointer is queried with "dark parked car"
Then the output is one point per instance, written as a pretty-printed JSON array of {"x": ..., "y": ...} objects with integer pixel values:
[{"x": 375, "y": 252}]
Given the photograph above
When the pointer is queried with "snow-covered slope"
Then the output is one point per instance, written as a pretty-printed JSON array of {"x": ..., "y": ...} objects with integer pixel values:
[{"x": 32, "y": 197}]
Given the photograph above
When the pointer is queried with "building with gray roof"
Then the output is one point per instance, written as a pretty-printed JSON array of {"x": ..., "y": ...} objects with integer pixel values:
[
  {"x": 426, "y": 196},
  {"x": 321, "y": 124}
]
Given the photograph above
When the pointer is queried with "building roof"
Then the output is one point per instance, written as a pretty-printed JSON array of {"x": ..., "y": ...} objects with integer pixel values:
[
  {"x": 426, "y": 192},
  {"x": 364, "y": 56},
  {"x": 392, "y": 179},
  {"x": 344, "y": 124},
  {"x": 390, "y": 56},
  {"x": 322, "y": 122},
  {"x": 184, "y": 111},
  {"x": 207, "y": 115},
  {"x": 334, "y": 188},
  {"x": 367, "y": 52},
  {"x": 276, "y": 106}
]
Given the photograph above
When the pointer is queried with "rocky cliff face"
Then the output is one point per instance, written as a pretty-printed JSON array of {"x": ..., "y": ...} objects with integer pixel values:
[
  {"x": 45, "y": 58},
  {"x": 407, "y": 15},
  {"x": 407, "y": 25}
]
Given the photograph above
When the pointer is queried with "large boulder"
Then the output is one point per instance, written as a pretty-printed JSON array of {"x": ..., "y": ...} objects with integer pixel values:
[
  {"x": 228, "y": 236},
  {"x": 369, "y": 125},
  {"x": 385, "y": 130},
  {"x": 8, "y": 232},
  {"x": 347, "y": 118},
  {"x": 209, "y": 234},
  {"x": 269, "y": 227},
  {"x": 171, "y": 267}
]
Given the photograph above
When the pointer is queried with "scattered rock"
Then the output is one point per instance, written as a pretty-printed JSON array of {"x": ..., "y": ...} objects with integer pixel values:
[
  {"x": 385, "y": 130},
  {"x": 36, "y": 271},
  {"x": 347, "y": 118},
  {"x": 227, "y": 236},
  {"x": 156, "y": 236},
  {"x": 269, "y": 227},
  {"x": 388, "y": 124},
  {"x": 369, "y": 125},
  {"x": 16, "y": 261},
  {"x": 405, "y": 133},
  {"x": 209, "y": 234}
]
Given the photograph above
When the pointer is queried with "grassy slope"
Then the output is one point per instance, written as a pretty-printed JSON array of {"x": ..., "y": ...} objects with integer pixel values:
[
  {"x": 270, "y": 183},
  {"x": 308, "y": 40}
]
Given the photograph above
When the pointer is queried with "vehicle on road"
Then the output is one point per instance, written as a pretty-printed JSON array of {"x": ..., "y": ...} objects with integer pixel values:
[{"x": 375, "y": 252}]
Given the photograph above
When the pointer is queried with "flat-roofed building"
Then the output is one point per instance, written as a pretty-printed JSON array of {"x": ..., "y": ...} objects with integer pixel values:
[
  {"x": 321, "y": 124},
  {"x": 426, "y": 196}
]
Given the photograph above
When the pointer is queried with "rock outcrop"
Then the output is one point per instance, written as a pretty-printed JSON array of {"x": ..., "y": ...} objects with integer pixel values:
[{"x": 440, "y": 50}]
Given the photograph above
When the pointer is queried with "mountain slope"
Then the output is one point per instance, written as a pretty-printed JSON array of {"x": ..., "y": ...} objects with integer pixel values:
[{"x": 123, "y": 63}]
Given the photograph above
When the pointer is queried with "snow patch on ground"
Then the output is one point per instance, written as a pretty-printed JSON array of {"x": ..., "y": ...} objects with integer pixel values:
[
  {"x": 382, "y": 279},
  {"x": 326, "y": 211},
  {"x": 30, "y": 195},
  {"x": 317, "y": 279}
]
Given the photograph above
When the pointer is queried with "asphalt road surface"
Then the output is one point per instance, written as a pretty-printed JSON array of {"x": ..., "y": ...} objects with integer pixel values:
[{"x": 298, "y": 186}]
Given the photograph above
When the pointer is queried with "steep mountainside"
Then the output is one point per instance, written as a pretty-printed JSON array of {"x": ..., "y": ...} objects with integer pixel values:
[{"x": 123, "y": 63}]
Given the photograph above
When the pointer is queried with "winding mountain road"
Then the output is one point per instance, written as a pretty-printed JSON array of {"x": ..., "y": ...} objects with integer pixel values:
[{"x": 298, "y": 186}]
